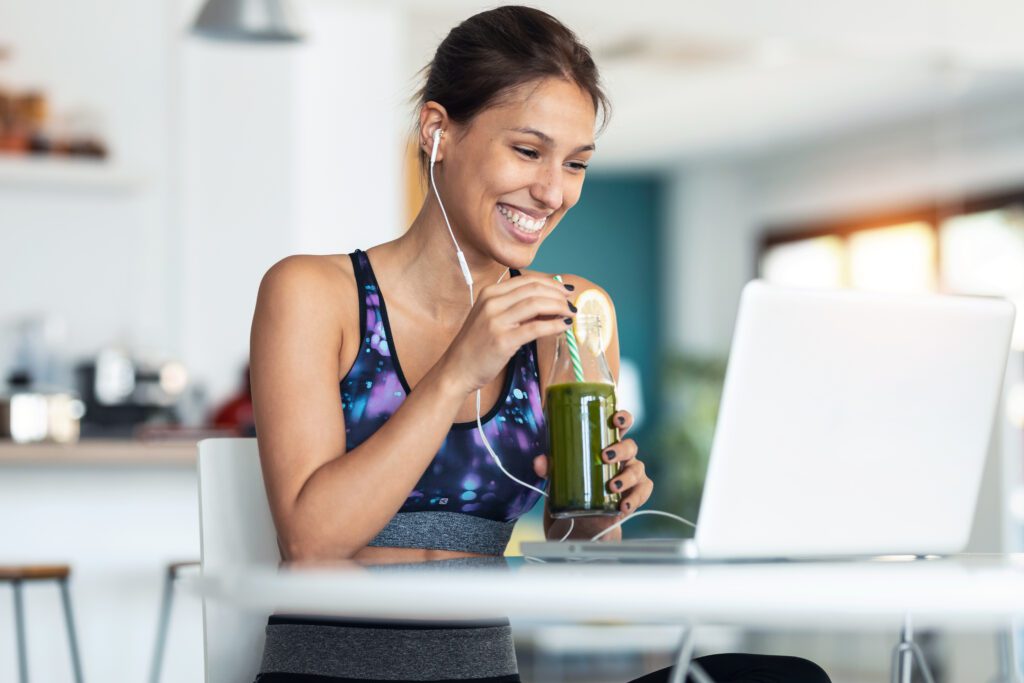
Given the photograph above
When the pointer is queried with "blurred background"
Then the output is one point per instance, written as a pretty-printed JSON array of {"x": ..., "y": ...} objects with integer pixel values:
[{"x": 151, "y": 173}]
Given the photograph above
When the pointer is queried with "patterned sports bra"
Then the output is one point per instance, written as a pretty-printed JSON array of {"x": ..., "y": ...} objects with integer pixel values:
[{"x": 462, "y": 502}]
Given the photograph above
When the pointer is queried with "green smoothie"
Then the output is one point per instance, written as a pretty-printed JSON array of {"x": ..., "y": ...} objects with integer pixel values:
[{"x": 579, "y": 428}]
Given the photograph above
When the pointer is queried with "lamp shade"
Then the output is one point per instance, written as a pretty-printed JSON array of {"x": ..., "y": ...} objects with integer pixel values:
[{"x": 248, "y": 21}]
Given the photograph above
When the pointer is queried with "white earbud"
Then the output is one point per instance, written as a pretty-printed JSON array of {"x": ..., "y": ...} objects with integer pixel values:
[
  {"x": 437, "y": 141},
  {"x": 466, "y": 275}
]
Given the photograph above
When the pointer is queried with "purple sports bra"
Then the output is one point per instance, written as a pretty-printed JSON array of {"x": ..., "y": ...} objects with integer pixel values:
[{"x": 462, "y": 501}]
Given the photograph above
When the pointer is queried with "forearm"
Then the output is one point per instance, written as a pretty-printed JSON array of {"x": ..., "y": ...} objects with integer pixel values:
[{"x": 349, "y": 499}]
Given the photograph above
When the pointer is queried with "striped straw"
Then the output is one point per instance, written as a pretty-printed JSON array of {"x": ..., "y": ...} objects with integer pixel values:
[{"x": 574, "y": 351}]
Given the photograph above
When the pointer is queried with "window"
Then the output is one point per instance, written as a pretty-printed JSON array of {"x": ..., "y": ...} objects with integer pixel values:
[{"x": 979, "y": 251}]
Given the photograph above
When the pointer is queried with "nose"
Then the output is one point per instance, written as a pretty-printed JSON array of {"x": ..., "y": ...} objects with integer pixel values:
[{"x": 547, "y": 189}]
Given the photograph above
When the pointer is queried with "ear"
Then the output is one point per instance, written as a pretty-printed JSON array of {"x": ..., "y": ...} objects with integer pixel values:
[{"x": 433, "y": 117}]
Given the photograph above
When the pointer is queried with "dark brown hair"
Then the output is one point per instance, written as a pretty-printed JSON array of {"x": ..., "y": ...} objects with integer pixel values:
[{"x": 493, "y": 52}]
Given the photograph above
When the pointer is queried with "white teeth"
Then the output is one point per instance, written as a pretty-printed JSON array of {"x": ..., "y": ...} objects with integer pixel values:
[{"x": 523, "y": 221}]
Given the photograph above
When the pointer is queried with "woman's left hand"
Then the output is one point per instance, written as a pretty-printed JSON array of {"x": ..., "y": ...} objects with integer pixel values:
[{"x": 632, "y": 480}]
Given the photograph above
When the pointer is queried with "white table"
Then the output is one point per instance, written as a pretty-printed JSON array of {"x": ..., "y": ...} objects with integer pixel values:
[{"x": 966, "y": 592}]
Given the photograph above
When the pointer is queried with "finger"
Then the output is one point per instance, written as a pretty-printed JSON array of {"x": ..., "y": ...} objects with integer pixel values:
[
  {"x": 622, "y": 420},
  {"x": 534, "y": 307},
  {"x": 620, "y": 451},
  {"x": 540, "y": 466},
  {"x": 528, "y": 332},
  {"x": 637, "y": 497},
  {"x": 530, "y": 290},
  {"x": 627, "y": 478},
  {"x": 524, "y": 280}
]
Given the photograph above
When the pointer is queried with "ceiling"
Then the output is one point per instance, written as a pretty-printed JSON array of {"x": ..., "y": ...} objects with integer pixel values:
[{"x": 700, "y": 79}]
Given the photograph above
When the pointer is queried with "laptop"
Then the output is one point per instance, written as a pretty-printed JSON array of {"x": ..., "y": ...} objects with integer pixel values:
[{"x": 852, "y": 424}]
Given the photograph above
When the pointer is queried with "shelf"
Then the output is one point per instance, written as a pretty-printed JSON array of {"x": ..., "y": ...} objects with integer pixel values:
[{"x": 27, "y": 172}]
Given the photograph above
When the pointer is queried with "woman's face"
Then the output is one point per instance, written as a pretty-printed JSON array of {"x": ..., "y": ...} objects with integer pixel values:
[{"x": 517, "y": 167}]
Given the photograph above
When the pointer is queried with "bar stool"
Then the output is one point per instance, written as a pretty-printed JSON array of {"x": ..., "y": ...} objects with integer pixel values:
[
  {"x": 170, "y": 576},
  {"x": 16, "y": 576}
]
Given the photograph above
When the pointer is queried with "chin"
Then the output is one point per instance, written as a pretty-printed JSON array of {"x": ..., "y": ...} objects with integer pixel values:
[{"x": 517, "y": 256}]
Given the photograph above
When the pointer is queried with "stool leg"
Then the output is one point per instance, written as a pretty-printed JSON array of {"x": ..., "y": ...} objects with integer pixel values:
[
  {"x": 19, "y": 630},
  {"x": 161, "y": 630},
  {"x": 69, "y": 621}
]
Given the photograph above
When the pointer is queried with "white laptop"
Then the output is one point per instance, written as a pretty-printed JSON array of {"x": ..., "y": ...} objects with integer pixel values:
[{"x": 851, "y": 424}]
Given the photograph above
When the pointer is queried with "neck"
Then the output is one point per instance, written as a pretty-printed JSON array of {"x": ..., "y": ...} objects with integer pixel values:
[{"x": 426, "y": 256}]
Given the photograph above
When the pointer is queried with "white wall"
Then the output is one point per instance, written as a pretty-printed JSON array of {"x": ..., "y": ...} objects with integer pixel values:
[
  {"x": 285, "y": 150},
  {"x": 92, "y": 255},
  {"x": 723, "y": 205},
  {"x": 243, "y": 155},
  {"x": 237, "y": 156}
]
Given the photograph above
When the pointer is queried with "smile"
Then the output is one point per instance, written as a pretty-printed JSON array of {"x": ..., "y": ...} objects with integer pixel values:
[{"x": 521, "y": 220}]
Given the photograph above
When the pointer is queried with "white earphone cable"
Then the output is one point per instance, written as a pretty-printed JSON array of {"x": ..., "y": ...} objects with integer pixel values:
[{"x": 464, "y": 266}]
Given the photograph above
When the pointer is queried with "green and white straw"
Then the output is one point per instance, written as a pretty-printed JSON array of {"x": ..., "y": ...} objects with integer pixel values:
[{"x": 574, "y": 350}]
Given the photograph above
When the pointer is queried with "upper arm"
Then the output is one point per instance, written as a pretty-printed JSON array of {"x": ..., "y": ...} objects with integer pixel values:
[{"x": 294, "y": 347}]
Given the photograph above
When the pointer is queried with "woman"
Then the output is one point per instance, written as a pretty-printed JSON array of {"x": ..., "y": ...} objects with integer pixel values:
[{"x": 390, "y": 469}]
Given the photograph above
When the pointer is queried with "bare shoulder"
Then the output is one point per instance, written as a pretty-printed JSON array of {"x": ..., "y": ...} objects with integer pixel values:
[
  {"x": 324, "y": 282},
  {"x": 309, "y": 274}
]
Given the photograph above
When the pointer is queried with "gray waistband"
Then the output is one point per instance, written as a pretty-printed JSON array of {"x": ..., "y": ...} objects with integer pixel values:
[
  {"x": 419, "y": 654},
  {"x": 445, "y": 531}
]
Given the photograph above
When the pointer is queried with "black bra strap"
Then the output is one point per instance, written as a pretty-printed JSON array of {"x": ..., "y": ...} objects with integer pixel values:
[{"x": 361, "y": 268}]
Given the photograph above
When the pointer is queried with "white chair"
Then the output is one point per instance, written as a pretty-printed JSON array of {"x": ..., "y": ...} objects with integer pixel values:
[{"x": 236, "y": 530}]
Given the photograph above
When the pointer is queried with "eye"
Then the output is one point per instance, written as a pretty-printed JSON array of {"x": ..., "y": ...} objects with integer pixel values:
[
  {"x": 578, "y": 166},
  {"x": 527, "y": 152}
]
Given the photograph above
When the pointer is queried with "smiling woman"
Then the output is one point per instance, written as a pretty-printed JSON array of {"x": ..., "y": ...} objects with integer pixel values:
[{"x": 382, "y": 461}]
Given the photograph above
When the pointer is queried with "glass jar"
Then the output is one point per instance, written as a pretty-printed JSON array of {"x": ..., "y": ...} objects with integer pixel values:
[{"x": 578, "y": 405}]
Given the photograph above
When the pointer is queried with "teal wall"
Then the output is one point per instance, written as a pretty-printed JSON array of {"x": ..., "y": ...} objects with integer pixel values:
[{"x": 612, "y": 237}]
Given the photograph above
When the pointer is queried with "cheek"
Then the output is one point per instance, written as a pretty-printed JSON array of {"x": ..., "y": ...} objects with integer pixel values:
[{"x": 571, "y": 193}]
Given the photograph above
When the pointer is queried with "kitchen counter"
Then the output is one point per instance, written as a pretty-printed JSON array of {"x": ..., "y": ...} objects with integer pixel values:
[
  {"x": 131, "y": 452},
  {"x": 118, "y": 511}
]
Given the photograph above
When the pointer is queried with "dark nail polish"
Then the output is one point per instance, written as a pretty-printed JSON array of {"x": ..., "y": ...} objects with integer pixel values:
[
  {"x": 568, "y": 321},
  {"x": 629, "y": 506},
  {"x": 621, "y": 420},
  {"x": 618, "y": 484},
  {"x": 571, "y": 307},
  {"x": 610, "y": 455},
  {"x": 571, "y": 288}
]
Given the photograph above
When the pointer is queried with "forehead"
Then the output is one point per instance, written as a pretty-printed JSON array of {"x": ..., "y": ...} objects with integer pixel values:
[{"x": 560, "y": 108}]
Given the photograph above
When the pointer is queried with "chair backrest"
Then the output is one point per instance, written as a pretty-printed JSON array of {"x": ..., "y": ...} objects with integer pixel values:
[{"x": 236, "y": 530}]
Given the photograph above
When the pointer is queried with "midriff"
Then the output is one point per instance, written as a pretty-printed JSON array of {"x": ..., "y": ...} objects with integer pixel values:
[{"x": 379, "y": 555}]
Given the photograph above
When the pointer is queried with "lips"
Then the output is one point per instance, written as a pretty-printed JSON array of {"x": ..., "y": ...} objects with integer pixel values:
[
  {"x": 521, "y": 219},
  {"x": 521, "y": 227}
]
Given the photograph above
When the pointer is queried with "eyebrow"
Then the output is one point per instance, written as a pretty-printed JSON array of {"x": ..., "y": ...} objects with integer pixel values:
[{"x": 548, "y": 140}]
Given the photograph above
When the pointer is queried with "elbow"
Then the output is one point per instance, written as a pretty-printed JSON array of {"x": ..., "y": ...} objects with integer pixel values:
[{"x": 311, "y": 548}]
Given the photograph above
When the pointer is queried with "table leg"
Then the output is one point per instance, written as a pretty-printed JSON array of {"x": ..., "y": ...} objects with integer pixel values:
[
  {"x": 69, "y": 622},
  {"x": 684, "y": 661},
  {"x": 698, "y": 673},
  {"x": 161, "y": 630},
  {"x": 906, "y": 661},
  {"x": 906, "y": 654},
  {"x": 19, "y": 629},
  {"x": 1006, "y": 656},
  {"x": 684, "y": 656}
]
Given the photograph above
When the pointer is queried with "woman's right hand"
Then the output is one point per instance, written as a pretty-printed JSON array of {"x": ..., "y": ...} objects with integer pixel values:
[{"x": 504, "y": 317}]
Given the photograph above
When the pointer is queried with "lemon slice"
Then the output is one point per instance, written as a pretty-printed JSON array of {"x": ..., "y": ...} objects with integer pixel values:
[{"x": 593, "y": 302}]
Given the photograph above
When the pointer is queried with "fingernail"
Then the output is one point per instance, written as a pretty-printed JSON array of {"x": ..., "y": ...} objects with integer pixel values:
[
  {"x": 621, "y": 420},
  {"x": 568, "y": 321},
  {"x": 571, "y": 307},
  {"x": 629, "y": 506},
  {"x": 610, "y": 455},
  {"x": 618, "y": 484},
  {"x": 569, "y": 287}
]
